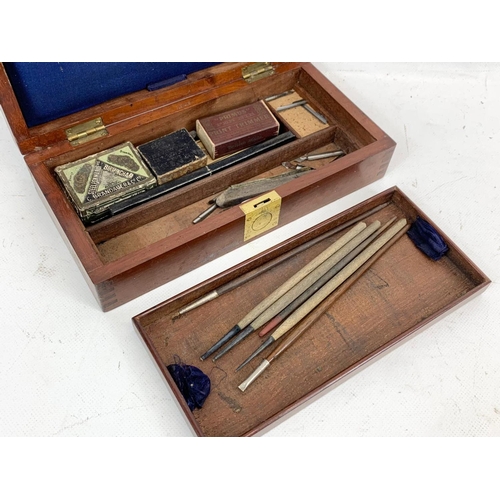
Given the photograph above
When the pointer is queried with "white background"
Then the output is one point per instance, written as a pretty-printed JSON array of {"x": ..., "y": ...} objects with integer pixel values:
[{"x": 67, "y": 369}]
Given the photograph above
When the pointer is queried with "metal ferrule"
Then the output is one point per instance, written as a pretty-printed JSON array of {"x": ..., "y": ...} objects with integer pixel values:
[
  {"x": 197, "y": 303},
  {"x": 243, "y": 386},
  {"x": 242, "y": 335},
  {"x": 205, "y": 214},
  {"x": 229, "y": 335}
]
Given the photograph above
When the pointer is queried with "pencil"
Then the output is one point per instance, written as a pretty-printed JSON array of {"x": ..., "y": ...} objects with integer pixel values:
[{"x": 309, "y": 292}]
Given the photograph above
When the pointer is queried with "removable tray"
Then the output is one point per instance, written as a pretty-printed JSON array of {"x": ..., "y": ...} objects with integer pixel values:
[{"x": 402, "y": 292}]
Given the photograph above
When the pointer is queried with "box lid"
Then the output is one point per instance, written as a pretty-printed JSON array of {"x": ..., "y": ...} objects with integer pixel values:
[
  {"x": 46, "y": 91},
  {"x": 51, "y": 103}
]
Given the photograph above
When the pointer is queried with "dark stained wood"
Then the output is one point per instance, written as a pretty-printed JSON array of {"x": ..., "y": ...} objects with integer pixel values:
[
  {"x": 12, "y": 110},
  {"x": 129, "y": 255},
  {"x": 401, "y": 293}
]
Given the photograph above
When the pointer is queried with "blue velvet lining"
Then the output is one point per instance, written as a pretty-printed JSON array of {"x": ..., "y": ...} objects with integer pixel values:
[{"x": 49, "y": 90}]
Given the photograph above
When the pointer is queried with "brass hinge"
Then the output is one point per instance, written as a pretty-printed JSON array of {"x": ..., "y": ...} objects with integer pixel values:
[
  {"x": 85, "y": 132},
  {"x": 257, "y": 71}
]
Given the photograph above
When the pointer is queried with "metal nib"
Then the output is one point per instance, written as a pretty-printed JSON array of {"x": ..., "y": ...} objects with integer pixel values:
[
  {"x": 197, "y": 303},
  {"x": 244, "y": 385},
  {"x": 313, "y": 112},
  {"x": 264, "y": 344},
  {"x": 229, "y": 335},
  {"x": 242, "y": 335}
]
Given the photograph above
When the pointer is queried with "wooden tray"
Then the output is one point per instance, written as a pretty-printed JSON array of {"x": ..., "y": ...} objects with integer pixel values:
[
  {"x": 134, "y": 252},
  {"x": 400, "y": 294}
]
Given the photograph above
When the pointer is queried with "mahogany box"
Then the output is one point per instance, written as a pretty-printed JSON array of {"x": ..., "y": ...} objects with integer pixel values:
[
  {"x": 395, "y": 297},
  {"x": 63, "y": 112}
]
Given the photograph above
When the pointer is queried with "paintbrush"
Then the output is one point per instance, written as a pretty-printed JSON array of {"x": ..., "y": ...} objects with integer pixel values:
[
  {"x": 300, "y": 287},
  {"x": 309, "y": 292},
  {"x": 359, "y": 265},
  {"x": 287, "y": 285}
]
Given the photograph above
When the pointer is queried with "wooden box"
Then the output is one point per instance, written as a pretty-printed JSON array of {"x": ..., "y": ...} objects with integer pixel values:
[
  {"x": 138, "y": 250},
  {"x": 403, "y": 291}
]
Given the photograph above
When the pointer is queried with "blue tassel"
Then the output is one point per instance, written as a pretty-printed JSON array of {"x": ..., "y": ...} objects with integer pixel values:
[
  {"x": 427, "y": 239},
  {"x": 192, "y": 382}
]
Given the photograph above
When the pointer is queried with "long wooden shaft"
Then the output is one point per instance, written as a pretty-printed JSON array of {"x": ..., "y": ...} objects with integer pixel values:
[
  {"x": 298, "y": 289},
  {"x": 314, "y": 276},
  {"x": 295, "y": 251},
  {"x": 335, "y": 282},
  {"x": 286, "y": 311},
  {"x": 241, "y": 280},
  {"x": 298, "y": 276},
  {"x": 310, "y": 319}
]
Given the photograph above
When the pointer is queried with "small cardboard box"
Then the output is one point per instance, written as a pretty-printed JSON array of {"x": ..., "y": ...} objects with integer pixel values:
[{"x": 150, "y": 244}]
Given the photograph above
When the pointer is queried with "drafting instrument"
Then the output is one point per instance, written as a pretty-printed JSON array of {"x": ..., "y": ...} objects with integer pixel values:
[
  {"x": 237, "y": 193},
  {"x": 273, "y": 263},
  {"x": 277, "y": 96},
  {"x": 287, "y": 285},
  {"x": 321, "y": 156},
  {"x": 292, "y": 105},
  {"x": 370, "y": 254},
  {"x": 313, "y": 112},
  {"x": 297, "y": 302},
  {"x": 289, "y": 297}
]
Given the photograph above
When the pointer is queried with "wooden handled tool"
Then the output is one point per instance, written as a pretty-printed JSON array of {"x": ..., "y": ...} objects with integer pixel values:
[
  {"x": 287, "y": 285},
  {"x": 300, "y": 287},
  {"x": 348, "y": 275},
  {"x": 241, "y": 280}
]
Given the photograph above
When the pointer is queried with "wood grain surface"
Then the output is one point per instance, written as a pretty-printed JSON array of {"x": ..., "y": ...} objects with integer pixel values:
[
  {"x": 400, "y": 293},
  {"x": 138, "y": 250}
]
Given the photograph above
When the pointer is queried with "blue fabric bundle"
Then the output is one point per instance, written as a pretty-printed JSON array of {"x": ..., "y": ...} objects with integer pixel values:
[
  {"x": 427, "y": 239},
  {"x": 192, "y": 382}
]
